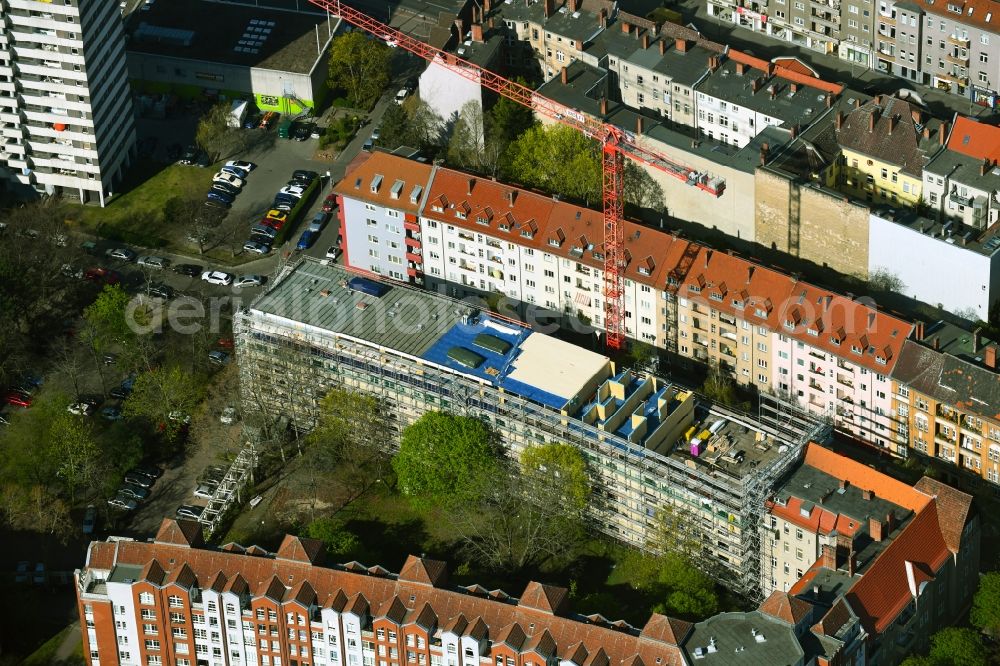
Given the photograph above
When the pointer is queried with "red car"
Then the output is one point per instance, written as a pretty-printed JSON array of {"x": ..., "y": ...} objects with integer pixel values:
[
  {"x": 225, "y": 343},
  {"x": 329, "y": 203},
  {"x": 273, "y": 223},
  {"x": 102, "y": 275},
  {"x": 18, "y": 399}
]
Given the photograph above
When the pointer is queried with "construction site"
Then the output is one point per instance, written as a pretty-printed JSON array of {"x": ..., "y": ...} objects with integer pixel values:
[{"x": 651, "y": 445}]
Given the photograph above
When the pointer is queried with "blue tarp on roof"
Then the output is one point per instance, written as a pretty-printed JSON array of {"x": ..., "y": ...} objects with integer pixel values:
[{"x": 497, "y": 367}]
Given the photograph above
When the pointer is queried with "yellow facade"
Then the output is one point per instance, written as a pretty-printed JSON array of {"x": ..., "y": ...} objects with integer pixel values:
[{"x": 876, "y": 181}]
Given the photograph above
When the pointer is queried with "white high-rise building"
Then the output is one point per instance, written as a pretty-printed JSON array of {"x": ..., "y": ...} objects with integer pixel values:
[{"x": 66, "y": 122}]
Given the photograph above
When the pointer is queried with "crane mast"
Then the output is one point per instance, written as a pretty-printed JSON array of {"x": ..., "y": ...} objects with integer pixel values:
[{"x": 615, "y": 142}]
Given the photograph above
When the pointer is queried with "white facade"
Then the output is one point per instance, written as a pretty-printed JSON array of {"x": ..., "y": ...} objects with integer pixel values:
[
  {"x": 447, "y": 92},
  {"x": 935, "y": 270},
  {"x": 65, "y": 103},
  {"x": 730, "y": 123}
]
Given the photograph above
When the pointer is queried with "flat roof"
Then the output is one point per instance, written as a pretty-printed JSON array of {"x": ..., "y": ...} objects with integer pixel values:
[
  {"x": 232, "y": 34},
  {"x": 981, "y": 241},
  {"x": 743, "y": 639},
  {"x": 428, "y": 326},
  {"x": 733, "y": 447},
  {"x": 125, "y": 573}
]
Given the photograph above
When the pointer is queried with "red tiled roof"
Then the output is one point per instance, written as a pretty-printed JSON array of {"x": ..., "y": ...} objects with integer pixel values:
[
  {"x": 357, "y": 591},
  {"x": 953, "y": 506},
  {"x": 838, "y": 615},
  {"x": 423, "y": 570},
  {"x": 786, "y": 607},
  {"x": 819, "y": 520},
  {"x": 183, "y": 532},
  {"x": 975, "y": 139},
  {"x": 300, "y": 549},
  {"x": 864, "y": 477},
  {"x": 796, "y": 72},
  {"x": 883, "y": 592},
  {"x": 666, "y": 629},
  {"x": 546, "y": 598},
  {"x": 795, "y": 65},
  {"x": 981, "y": 13},
  {"x": 362, "y": 174}
]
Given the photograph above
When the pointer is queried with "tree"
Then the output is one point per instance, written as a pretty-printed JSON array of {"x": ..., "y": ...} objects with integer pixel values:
[
  {"x": 35, "y": 509},
  {"x": 165, "y": 397},
  {"x": 956, "y": 646},
  {"x": 215, "y": 135},
  {"x": 109, "y": 317},
  {"x": 676, "y": 532},
  {"x": 690, "y": 594},
  {"x": 361, "y": 67},
  {"x": 881, "y": 279},
  {"x": 412, "y": 124},
  {"x": 556, "y": 159},
  {"x": 507, "y": 120},
  {"x": 471, "y": 147},
  {"x": 447, "y": 459},
  {"x": 641, "y": 355},
  {"x": 339, "y": 541},
  {"x": 719, "y": 386},
  {"x": 640, "y": 189},
  {"x": 985, "y": 614},
  {"x": 560, "y": 470}
]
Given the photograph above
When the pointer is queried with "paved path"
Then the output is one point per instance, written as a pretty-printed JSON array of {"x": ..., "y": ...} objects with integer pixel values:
[{"x": 70, "y": 644}]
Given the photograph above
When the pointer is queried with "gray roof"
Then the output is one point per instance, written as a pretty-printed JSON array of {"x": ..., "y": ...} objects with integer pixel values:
[
  {"x": 903, "y": 145},
  {"x": 684, "y": 67},
  {"x": 745, "y": 159},
  {"x": 947, "y": 231},
  {"x": 964, "y": 170},
  {"x": 822, "y": 134},
  {"x": 405, "y": 319},
  {"x": 743, "y": 639},
  {"x": 799, "y": 108},
  {"x": 125, "y": 573},
  {"x": 582, "y": 25},
  {"x": 955, "y": 340},
  {"x": 823, "y": 490},
  {"x": 950, "y": 380}
]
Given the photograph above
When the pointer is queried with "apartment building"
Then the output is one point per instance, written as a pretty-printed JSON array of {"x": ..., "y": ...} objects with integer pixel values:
[
  {"x": 557, "y": 35},
  {"x": 65, "y": 103},
  {"x": 896, "y": 558},
  {"x": 885, "y": 145},
  {"x": 649, "y": 444},
  {"x": 743, "y": 95},
  {"x": 173, "y": 600},
  {"x": 960, "y": 182},
  {"x": 813, "y": 24},
  {"x": 946, "y": 396}
]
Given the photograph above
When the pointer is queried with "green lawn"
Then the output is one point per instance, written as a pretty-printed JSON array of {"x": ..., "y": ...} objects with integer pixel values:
[
  {"x": 45, "y": 655},
  {"x": 136, "y": 216}
]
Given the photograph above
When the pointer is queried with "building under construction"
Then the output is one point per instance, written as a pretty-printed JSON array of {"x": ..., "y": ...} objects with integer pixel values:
[{"x": 651, "y": 445}]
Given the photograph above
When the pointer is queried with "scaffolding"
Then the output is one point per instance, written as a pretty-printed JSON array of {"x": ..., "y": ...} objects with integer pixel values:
[
  {"x": 229, "y": 492},
  {"x": 296, "y": 365}
]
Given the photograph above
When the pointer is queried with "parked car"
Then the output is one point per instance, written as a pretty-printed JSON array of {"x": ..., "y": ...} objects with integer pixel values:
[
  {"x": 189, "y": 511},
  {"x": 376, "y": 134},
  {"x": 153, "y": 262},
  {"x": 191, "y": 154},
  {"x": 333, "y": 252},
  {"x": 221, "y": 197},
  {"x": 402, "y": 95},
  {"x": 217, "y": 277},
  {"x": 38, "y": 577},
  {"x": 249, "y": 281},
  {"x": 206, "y": 490},
  {"x": 225, "y": 188},
  {"x": 138, "y": 479},
  {"x": 263, "y": 230},
  {"x": 121, "y": 253},
  {"x": 228, "y": 178},
  {"x": 149, "y": 470},
  {"x": 89, "y": 520},
  {"x": 81, "y": 408},
  {"x": 190, "y": 270},
  {"x": 283, "y": 204},
  {"x": 319, "y": 221},
  {"x": 133, "y": 490},
  {"x": 225, "y": 343},
  {"x": 19, "y": 399},
  {"x": 273, "y": 223},
  {"x": 278, "y": 215},
  {"x": 161, "y": 291},
  {"x": 307, "y": 239},
  {"x": 292, "y": 190},
  {"x": 256, "y": 247},
  {"x": 102, "y": 276},
  {"x": 218, "y": 357},
  {"x": 301, "y": 132},
  {"x": 368, "y": 145},
  {"x": 236, "y": 171},
  {"x": 330, "y": 203},
  {"x": 304, "y": 176},
  {"x": 123, "y": 502},
  {"x": 242, "y": 164},
  {"x": 112, "y": 413},
  {"x": 228, "y": 416},
  {"x": 21, "y": 572}
]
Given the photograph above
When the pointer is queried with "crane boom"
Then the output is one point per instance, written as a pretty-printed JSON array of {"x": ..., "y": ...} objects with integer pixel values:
[{"x": 615, "y": 142}]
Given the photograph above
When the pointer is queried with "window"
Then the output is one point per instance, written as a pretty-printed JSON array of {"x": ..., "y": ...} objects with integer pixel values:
[
  {"x": 152, "y": 644},
  {"x": 146, "y": 599},
  {"x": 983, "y": 57},
  {"x": 174, "y": 601}
]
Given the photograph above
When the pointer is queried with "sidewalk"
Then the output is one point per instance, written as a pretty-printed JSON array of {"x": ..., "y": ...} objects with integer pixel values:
[{"x": 71, "y": 644}]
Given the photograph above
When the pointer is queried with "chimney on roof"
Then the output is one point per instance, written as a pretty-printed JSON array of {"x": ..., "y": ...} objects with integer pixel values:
[
  {"x": 477, "y": 32},
  {"x": 573, "y": 5},
  {"x": 857, "y": 103},
  {"x": 829, "y": 100},
  {"x": 915, "y": 114},
  {"x": 472, "y": 182},
  {"x": 828, "y": 556},
  {"x": 603, "y": 18},
  {"x": 795, "y": 88},
  {"x": 645, "y": 40},
  {"x": 795, "y": 130},
  {"x": 755, "y": 86},
  {"x": 876, "y": 529},
  {"x": 844, "y": 483},
  {"x": 872, "y": 117},
  {"x": 943, "y": 133},
  {"x": 878, "y": 100},
  {"x": 663, "y": 46},
  {"x": 867, "y": 495},
  {"x": 460, "y": 26},
  {"x": 604, "y": 106},
  {"x": 984, "y": 167},
  {"x": 764, "y": 150},
  {"x": 893, "y": 119},
  {"x": 626, "y": 28},
  {"x": 713, "y": 63},
  {"x": 990, "y": 357},
  {"x": 682, "y": 46},
  {"x": 638, "y": 31},
  {"x": 927, "y": 131},
  {"x": 890, "y": 522},
  {"x": 918, "y": 331},
  {"x": 976, "y": 338},
  {"x": 638, "y": 125},
  {"x": 547, "y": 7},
  {"x": 564, "y": 75},
  {"x": 511, "y": 196},
  {"x": 579, "y": 45},
  {"x": 838, "y": 120},
  {"x": 741, "y": 68},
  {"x": 936, "y": 343},
  {"x": 852, "y": 561}
]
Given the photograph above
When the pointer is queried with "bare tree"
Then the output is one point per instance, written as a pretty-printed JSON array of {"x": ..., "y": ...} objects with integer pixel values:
[{"x": 882, "y": 279}]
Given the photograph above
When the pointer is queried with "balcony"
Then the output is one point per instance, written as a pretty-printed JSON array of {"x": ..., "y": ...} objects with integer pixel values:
[
  {"x": 962, "y": 61},
  {"x": 841, "y": 379},
  {"x": 700, "y": 340},
  {"x": 582, "y": 270},
  {"x": 410, "y": 225},
  {"x": 466, "y": 266},
  {"x": 816, "y": 370},
  {"x": 725, "y": 350},
  {"x": 947, "y": 414},
  {"x": 958, "y": 41},
  {"x": 826, "y": 20},
  {"x": 954, "y": 78},
  {"x": 728, "y": 319},
  {"x": 815, "y": 386},
  {"x": 412, "y": 243},
  {"x": 414, "y": 257}
]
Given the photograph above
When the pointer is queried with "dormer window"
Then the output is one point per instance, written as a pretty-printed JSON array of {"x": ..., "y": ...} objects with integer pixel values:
[
  {"x": 813, "y": 331},
  {"x": 527, "y": 233},
  {"x": 857, "y": 350},
  {"x": 760, "y": 312},
  {"x": 881, "y": 360},
  {"x": 715, "y": 296},
  {"x": 504, "y": 227},
  {"x": 460, "y": 214},
  {"x": 737, "y": 303},
  {"x": 482, "y": 219},
  {"x": 694, "y": 289},
  {"x": 834, "y": 340},
  {"x": 643, "y": 270},
  {"x": 672, "y": 281},
  {"x": 790, "y": 324},
  {"x": 437, "y": 208},
  {"x": 554, "y": 242}
]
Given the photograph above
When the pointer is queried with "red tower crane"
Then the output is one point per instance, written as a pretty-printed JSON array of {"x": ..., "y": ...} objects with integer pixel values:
[{"x": 616, "y": 144}]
